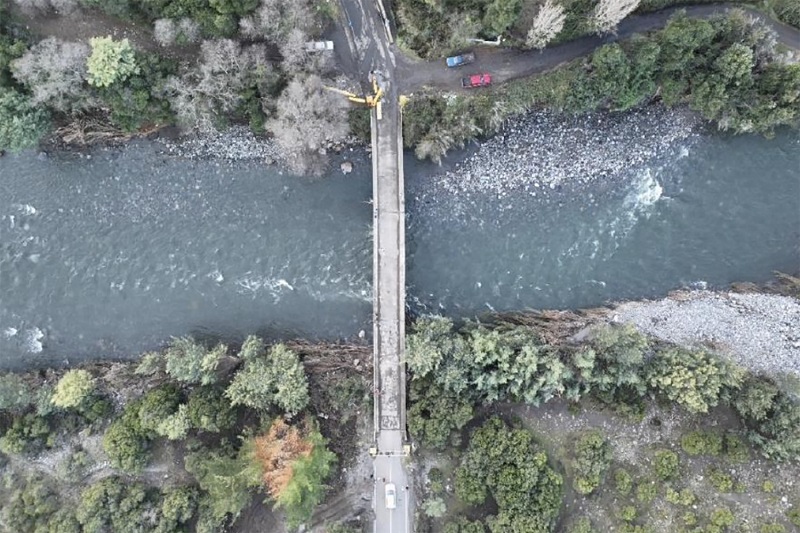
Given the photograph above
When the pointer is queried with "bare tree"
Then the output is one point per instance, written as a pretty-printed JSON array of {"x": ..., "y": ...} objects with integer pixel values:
[
  {"x": 55, "y": 72},
  {"x": 548, "y": 23},
  {"x": 308, "y": 119},
  {"x": 274, "y": 19},
  {"x": 165, "y": 31},
  {"x": 215, "y": 85},
  {"x": 293, "y": 51},
  {"x": 609, "y": 13},
  {"x": 35, "y": 7},
  {"x": 188, "y": 31}
]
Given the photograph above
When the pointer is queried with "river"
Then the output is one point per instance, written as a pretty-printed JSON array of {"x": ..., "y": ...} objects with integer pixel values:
[{"x": 109, "y": 255}]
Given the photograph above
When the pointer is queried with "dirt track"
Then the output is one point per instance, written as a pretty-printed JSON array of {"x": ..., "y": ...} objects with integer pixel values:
[{"x": 507, "y": 64}]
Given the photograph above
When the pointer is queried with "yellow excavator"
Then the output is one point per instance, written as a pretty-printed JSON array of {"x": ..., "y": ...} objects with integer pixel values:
[{"x": 370, "y": 100}]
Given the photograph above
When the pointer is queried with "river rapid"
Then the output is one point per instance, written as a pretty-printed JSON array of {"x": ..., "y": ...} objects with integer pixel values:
[{"x": 108, "y": 254}]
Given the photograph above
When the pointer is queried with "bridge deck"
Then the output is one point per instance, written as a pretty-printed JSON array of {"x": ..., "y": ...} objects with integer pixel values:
[{"x": 389, "y": 277}]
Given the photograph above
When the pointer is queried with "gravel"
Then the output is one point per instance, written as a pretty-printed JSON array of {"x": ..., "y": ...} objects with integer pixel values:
[
  {"x": 759, "y": 331},
  {"x": 545, "y": 151},
  {"x": 234, "y": 144}
]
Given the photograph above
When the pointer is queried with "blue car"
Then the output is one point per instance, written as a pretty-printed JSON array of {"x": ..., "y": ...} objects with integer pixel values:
[{"x": 459, "y": 61}]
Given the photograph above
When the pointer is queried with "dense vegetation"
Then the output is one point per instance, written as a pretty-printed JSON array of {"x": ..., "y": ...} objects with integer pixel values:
[
  {"x": 434, "y": 28},
  {"x": 106, "y": 88},
  {"x": 460, "y": 371},
  {"x": 727, "y": 69},
  {"x": 236, "y": 426}
]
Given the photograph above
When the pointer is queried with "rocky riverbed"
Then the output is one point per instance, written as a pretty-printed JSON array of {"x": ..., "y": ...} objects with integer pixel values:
[
  {"x": 759, "y": 331},
  {"x": 546, "y": 155}
]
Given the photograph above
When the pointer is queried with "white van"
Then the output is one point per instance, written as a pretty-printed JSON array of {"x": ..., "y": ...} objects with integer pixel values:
[{"x": 391, "y": 496}]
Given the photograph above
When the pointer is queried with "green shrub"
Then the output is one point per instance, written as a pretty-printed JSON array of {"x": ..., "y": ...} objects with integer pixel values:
[
  {"x": 685, "y": 497},
  {"x": 646, "y": 492},
  {"x": 592, "y": 458},
  {"x": 623, "y": 481},
  {"x": 768, "y": 486},
  {"x": 793, "y": 515},
  {"x": 626, "y": 513},
  {"x": 689, "y": 519},
  {"x": 434, "y": 507},
  {"x": 735, "y": 449},
  {"x": 720, "y": 480},
  {"x": 722, "y": 517},
  {"x": 666, "y": 464},
  {"x": 581, "y": 525},
  {"x": 462, "y": 525},
  {"x": 772, "y": 528},
  {"x": 702, "y": 443}
]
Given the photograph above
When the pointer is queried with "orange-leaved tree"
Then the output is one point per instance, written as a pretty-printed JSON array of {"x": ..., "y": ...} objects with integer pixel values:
[{"x": 295, "y": 462}]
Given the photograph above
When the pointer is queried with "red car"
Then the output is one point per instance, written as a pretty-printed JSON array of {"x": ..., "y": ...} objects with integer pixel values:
[{"x": 476, "y": 80}]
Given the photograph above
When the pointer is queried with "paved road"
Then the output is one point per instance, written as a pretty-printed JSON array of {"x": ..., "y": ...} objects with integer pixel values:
[
  {"x": 507, "y": 64},
  {"x": 369, "y": 51}
]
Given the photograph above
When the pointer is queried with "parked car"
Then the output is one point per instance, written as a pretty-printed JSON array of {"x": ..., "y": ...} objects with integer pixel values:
[
  {"x": 460, "y": 61},
  {"x": 391, "y": 496},
  {"x": 318, "y": 46},
  {"x": 476, "y": 80}
]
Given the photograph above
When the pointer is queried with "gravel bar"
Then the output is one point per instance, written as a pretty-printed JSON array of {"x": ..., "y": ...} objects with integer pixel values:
[{"x": 759, "y": 331}]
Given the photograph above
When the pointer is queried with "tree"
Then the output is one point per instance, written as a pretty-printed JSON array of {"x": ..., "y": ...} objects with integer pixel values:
[
  {"x": 203, "y": 95},
  {"x": 178, "y": 507},
  {"x": 274, "y": 19},
  {"x": 592, "y": 457},
  {"x": 209, "y": 410},
  {"x": 126, "y": 443},
  {"x": 501, "y": 15},
  {"x": 55, "y": 72},
  {"x": 548, "y": 23},
  {"x": 176, "y": 425},
  {"x": 432, "y": 341},
  {"x": 666, "y": 464},
  {"x": 35, "y": 7},
  {"x": 113, "y": 504},
  {"x": 22, "y": 123},
  {"x": 694, "y": 379},
  {"x": 110, "y": 61},
  {"x": 505, "y": 463},
  {"x": 227, "y": 478},
  {"x": 15, "y": 395},
  {"x": 307, "y": 120},
  {"x": 609, "y": 13},
  {"x": 190, "y": 362},
  {"x": 73, "y": 389},
  {"x": 619, "y": 357},
  {"x": 274, "y": 379},
  {"x": 296, "y": 463},
  {"x": 436, "y": 415}
]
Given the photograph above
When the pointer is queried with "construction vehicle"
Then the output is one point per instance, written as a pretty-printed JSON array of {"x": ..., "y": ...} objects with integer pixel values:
[{"x": 370, "y": 100}]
